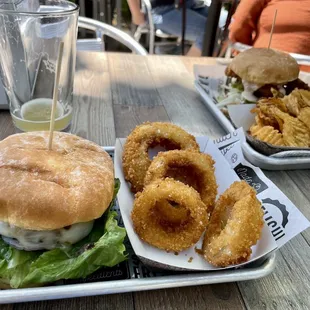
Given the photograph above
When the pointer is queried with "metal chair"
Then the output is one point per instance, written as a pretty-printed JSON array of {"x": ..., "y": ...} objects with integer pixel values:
[
  {"x": 102, "y": 29},
  {"x": 149, "y": 28},
  {"x": 215, "y": 36},
  {"x": 214, "y": 22}
]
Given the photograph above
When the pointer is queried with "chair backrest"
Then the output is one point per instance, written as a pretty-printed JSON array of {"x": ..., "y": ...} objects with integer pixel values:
[
  {"x": 147, "y": 8},
  {"x": 102, "y": 29}
]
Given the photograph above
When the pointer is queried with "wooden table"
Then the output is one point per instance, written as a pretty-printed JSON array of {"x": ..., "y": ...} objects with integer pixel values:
[{"x": 114, "y": 93}]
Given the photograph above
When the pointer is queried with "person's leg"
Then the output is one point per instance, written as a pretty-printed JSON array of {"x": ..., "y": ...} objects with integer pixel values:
[
  {"x": 194, "y": 51},
  {"x": 171, "y": 22},
  {"x": 203, "y": 10}
]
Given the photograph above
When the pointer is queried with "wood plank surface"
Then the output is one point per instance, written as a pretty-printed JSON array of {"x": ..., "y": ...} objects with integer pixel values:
[
  {"x": 127, "y": 117},
  {"x": 217, "y": 296},
  {"x": 175, "y": 87},
  {"x": 131, "y": 80},
  {"x": 106, "y": 302},
  {"x": 288, "y": 286},
  {"x": 93, "y": 113},
  {"x": 6, "y": 125},
  {"x": 114, "y": 93},
  {"x": 7, "y": 307}
]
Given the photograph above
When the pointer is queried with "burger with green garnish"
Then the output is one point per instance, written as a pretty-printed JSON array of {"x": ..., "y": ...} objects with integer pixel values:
[{"x": 55, "y": 210}]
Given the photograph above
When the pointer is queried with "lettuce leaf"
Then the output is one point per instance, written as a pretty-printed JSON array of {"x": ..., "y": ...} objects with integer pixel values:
[
  {"x": 14, "y": 264},
  {"x": 102, "y": 247},
  {"x": 237, "y": 85}
]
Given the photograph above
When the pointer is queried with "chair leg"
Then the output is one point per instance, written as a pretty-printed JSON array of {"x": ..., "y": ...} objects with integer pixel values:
[
  {"x": 137, "y": 35},
  {"x": 152, "y": 39},
  {"x": 228, "y": 53},
  {"x": 223, "y": 49}
]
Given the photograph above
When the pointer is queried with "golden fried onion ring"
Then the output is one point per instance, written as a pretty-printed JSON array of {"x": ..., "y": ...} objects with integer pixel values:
[
  {"x": 235, "y": 225},
  {"x": 153, "y": 227},
  {"x": 136, "y": 160},
  {"x": 194, "y": 169}
]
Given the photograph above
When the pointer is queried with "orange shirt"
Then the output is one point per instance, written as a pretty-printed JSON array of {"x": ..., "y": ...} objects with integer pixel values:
[{"x": 253, "y": 20}]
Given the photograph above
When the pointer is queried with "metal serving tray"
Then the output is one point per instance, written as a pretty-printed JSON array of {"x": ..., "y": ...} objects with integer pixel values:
[
  {"x": 297, "y": 159},
  {"x": 132, "y": 275},
  {"x": 136, "y": 285}
]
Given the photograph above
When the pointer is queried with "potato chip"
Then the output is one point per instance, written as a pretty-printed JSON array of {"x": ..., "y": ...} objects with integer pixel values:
[
  {"x": 295, "y": 132},
  {"x": 292, "y": 104},
  {"x": 267, "y": 116},
  {"x": 304, "y": 116},
  {"x": 259, "y": 121},
  {"x": 305, "y": 95},
  {"x": 284, "y": 121},
  {"x": 264, "y": 111},
  {"x": 297, "y": 99},
  {"x": 277, "y": 102},
  {"x": 267, "y": 134}
]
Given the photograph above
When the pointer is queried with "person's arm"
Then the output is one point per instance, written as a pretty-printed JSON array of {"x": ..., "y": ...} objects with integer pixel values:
[
  {"x": 136, "y": 14},
  {"x": 245, "y": 20}
]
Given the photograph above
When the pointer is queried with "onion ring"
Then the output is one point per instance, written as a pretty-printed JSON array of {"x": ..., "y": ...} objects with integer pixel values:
[
  {"x": 136, "y": 160},
  {"x": 194, "y": 169},
  {"x": 152, "y": 226},
  {"x": 235, "y": 225},
  {"x": 171, "y": 212}
]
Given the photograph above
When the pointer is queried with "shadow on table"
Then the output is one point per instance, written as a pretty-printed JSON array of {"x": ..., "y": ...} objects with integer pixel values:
[
  {"x": 97, "y": 63},
  {"x": 6, "y": 125},
  {"x": 141, "y": 93}
]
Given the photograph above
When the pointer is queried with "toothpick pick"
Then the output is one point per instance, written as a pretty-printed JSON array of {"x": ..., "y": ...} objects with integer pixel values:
[
  {"x": 55, "y": 95},
  {"x": 272, "y": 27}
]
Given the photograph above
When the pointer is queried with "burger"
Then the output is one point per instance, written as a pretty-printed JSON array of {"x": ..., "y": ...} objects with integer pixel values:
[
  {"x": 263, "y": 72},
  {"x": 55, "y": 216}
]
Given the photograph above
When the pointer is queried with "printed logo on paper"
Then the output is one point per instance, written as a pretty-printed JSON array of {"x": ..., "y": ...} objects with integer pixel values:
[
  {"x": 248, "y": 174},
  {"x": 225, "y": 149},
  {"x": 226, "y": 138},
  {"x": 276, "y": 217},
  {"x": 118, "y": 272},
  {"x": 234, "y": 158}
]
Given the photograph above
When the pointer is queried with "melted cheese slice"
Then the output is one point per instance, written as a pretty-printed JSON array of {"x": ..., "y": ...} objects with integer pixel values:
[
  {"x": 32, "y": 240},
  {"x": 249, "y": 89}
]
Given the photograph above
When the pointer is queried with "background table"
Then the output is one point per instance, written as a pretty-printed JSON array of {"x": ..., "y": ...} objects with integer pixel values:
[{"x": 114, "y": 93}]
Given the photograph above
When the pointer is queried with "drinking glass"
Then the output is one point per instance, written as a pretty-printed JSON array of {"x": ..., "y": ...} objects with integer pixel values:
[{"x": 30, "y": 35}]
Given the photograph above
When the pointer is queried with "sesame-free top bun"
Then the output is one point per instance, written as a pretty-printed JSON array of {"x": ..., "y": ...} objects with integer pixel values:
[
  {"x": 46, "y": 190},
  {"x": 265, "y": 66}
]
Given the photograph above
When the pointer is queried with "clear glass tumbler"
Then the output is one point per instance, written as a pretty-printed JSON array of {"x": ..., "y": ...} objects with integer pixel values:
[{"x": 30, "y": 35}]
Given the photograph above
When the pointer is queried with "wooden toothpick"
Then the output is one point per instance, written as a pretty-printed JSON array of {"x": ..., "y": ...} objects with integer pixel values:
[
  {"x": 55, "y": 94},
  {"x": 272, "y": 27}
]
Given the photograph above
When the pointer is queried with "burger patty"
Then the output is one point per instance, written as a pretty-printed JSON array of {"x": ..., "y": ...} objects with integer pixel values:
[
  {"x": 298, "y": 83},
  {"x": 265, "y": 90},
  {"x": 33, "y": 240}
]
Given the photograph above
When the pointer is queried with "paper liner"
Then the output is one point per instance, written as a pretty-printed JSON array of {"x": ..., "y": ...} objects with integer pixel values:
[{"x": 225, "y": 176}]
